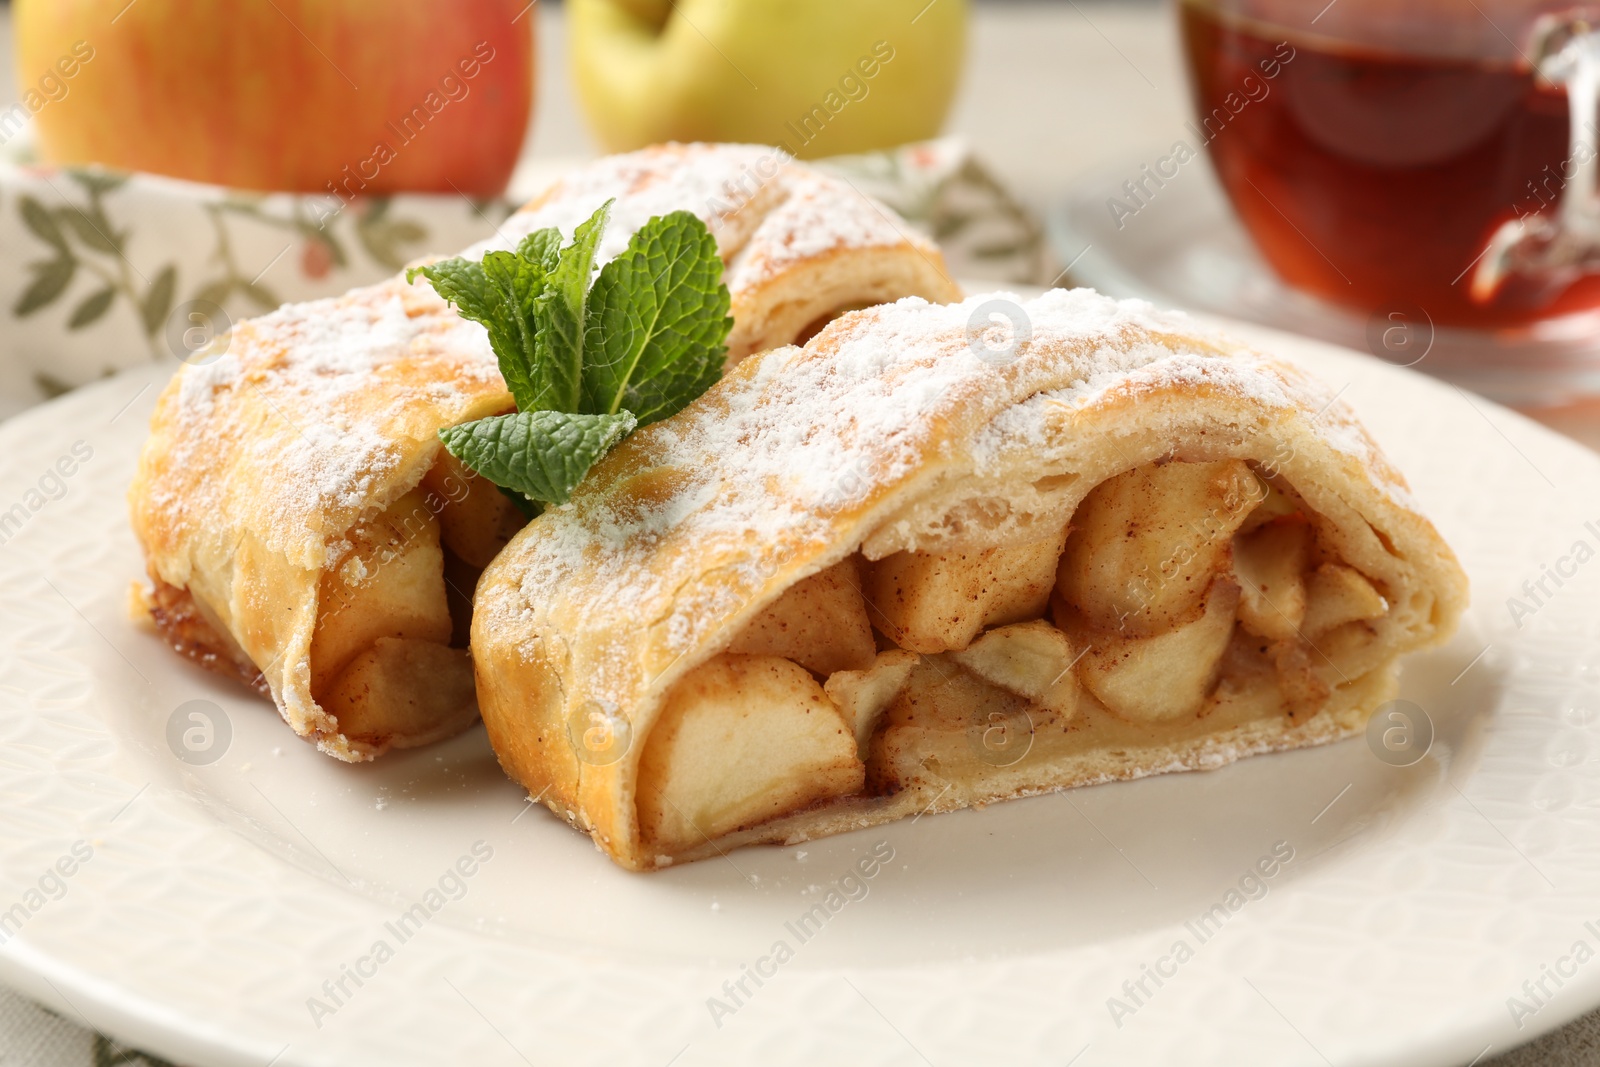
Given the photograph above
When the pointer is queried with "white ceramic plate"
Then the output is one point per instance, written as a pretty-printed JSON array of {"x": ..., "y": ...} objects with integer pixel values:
[{"x": 219, "y": 898}]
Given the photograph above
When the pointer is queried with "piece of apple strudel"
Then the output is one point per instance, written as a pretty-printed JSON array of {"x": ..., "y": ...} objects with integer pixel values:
[
  {"x": 908, "y": 568},
  {"x": 304, "y": 530}
]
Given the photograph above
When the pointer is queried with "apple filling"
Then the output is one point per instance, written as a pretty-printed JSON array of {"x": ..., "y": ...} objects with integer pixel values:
[
  {"x": 1182, "y": 596},
  {"x": 742, "y": 739},
  {"x": 388, "y": 656}
]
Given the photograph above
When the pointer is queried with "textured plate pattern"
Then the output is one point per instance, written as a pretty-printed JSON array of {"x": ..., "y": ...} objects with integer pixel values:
[{"x": 228, "y": 896}]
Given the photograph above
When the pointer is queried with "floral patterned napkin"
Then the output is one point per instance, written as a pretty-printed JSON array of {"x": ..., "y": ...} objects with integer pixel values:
[{"x": 109, "y": 270}]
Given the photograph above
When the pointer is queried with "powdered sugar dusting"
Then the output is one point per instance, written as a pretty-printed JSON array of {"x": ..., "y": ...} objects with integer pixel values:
[
  {"x": 810, "y": 213},
  {"x": 771, "y": 437},
  {"x": 308, "y": 364},
  {"x": 307, "y": 375},
  {"x": 1262, "y": 381},
  {"x": 821, "y": 214},
  {"x": 325, "y": 346},
  {"x": 757, "y": 471},
  {"x": 710, "y": 180}
]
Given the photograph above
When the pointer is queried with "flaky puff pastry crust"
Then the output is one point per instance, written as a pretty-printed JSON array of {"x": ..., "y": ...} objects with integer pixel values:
[{"x": 894, "y": 429}]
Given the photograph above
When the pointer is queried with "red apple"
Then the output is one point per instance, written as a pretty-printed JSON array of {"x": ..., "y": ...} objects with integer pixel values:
[{"x": 373, "y": 96}]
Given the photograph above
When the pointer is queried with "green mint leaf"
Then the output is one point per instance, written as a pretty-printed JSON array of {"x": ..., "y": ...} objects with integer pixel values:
[
  {"x": 460, "y": 282},
  {"x": 558, "y": 312},
  {"x": 657, "y": 322},
  {"x": 541, "y": 454},
  {"x": 541, "y": 246},
  {"x": 519, "y": 281},
  {"x": 582, "y": 362},
  {"x": 574, "y": 269},
  {"x": 497, "y": 293}
]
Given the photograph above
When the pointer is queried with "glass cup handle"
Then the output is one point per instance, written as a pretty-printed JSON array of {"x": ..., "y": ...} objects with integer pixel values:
[{"x": 1557, "y": 248}]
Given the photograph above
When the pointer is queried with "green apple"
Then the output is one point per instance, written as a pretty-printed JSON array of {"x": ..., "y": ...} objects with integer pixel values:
[
  {"x": 346, "y": 96},
  {"x": 818, "y": 77}
]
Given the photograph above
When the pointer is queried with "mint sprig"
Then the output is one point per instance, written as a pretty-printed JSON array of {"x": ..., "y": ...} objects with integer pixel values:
[
  {"x": 541, "y": 454},
  {"x": 586, "y": 364}
]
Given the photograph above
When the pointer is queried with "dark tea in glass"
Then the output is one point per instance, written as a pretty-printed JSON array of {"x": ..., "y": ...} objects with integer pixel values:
[{"x": 1395, "y": 141}]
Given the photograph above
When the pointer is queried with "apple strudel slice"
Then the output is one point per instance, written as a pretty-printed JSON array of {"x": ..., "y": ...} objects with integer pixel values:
[
  {"x": 916, "y": 566},
  {"x": 302, "y": 526}
]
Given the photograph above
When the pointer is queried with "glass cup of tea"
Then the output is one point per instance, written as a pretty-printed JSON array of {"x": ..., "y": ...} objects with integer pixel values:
[{"x": 1434, "y": 154}]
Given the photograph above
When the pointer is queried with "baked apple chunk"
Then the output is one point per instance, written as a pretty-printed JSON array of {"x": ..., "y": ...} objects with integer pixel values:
[
  {"x": 820, "y": 622},
  {"x": 389, "y": 583},
  {"x": 1146, "y": 544},
  {"x": 1031, "y": 659},
  {"x": 381, "y": 664},
  {"x": 741, "y": 740},
  {"x": 1339, "y": 595},
  {"x": 1271, "y": 564},
  {"x": 418, "y": 690},
  {"x": 948, "y": 725},
  {"x": 475, "y": 518},
  {"x": 931, "y": 602},
  {"x": 1156, "y": 679},
  {"x": 862, "y": 696}
]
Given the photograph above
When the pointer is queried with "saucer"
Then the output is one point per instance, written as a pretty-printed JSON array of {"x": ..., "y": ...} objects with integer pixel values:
[{"x": 1184, "y": 247}]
